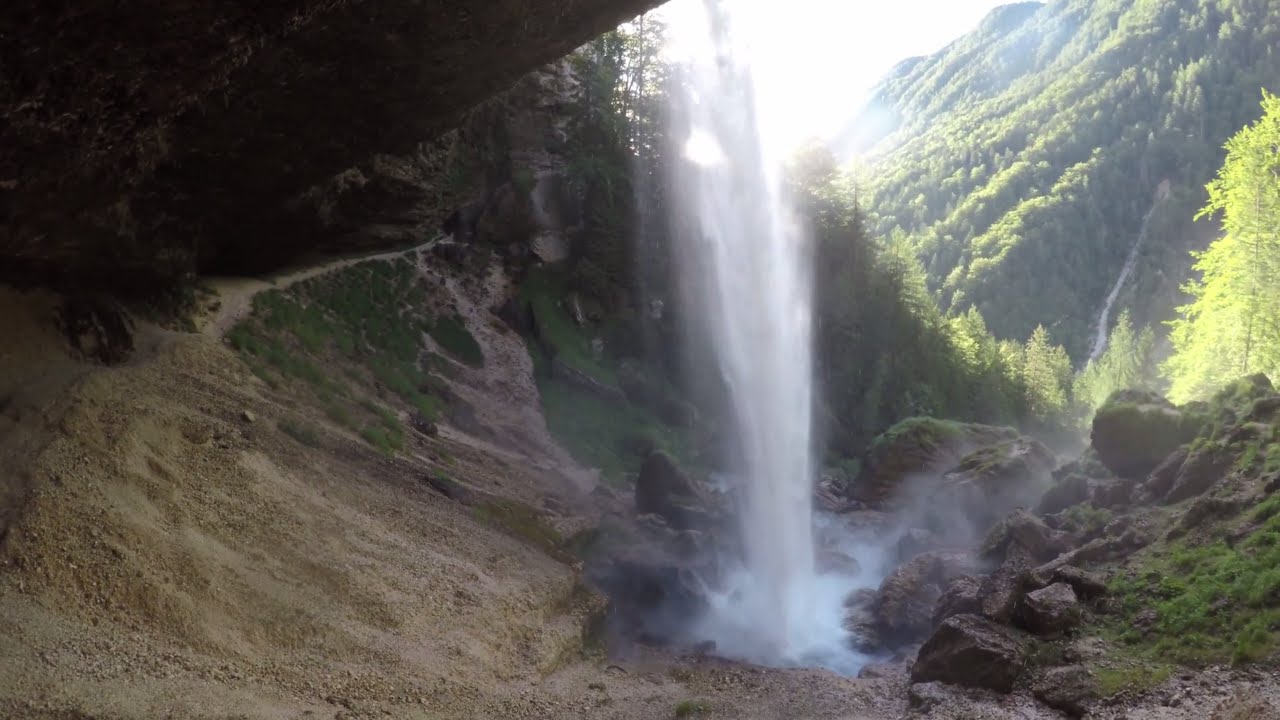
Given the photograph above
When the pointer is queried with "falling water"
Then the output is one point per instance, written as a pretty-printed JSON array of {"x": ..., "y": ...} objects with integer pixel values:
[
  {"x": 1104, "y": 318},
  {"x": 754, "y": 297}
]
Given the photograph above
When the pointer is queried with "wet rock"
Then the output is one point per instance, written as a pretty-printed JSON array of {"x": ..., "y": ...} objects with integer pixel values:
[
  {"x": 1135, "y": 430},
  {"x": 1071, "y": 689},
  {"x": 959, "y": 598},
  {"x": 831, "y": 560},
  {"x": 1024, "y": 530},
  {"x": 903, "y": 608},
  {"x": 1087, "y": 586},
  {"x": 1072, "y": 489},
  {"x": 992, "y": 481},
  {"x": 663, "y": 489},
  {"x": 1050, "y": 611},
  {"x": 1114, "y": 493},
  {"x": 1000, "y": 591},
  {"x": 1202, "y": 469},
  {"x": 971, "y": 651},
  {"x": 918, "y": 447}
]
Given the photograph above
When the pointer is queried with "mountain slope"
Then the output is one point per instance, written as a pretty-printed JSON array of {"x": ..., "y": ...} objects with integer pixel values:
[{"x": 1024, "y": 157}]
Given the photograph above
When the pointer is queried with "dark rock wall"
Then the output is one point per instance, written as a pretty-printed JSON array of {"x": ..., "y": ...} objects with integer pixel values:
[{"x": 140, "y": 141}]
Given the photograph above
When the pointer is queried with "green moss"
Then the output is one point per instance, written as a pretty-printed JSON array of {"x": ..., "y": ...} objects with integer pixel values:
[
  {"x": 386, "y": 441},
  {"x": 604, "y": 434},
  {"x": 1133, "y": 678},
  {"x": 692, "y": 708},
  {"x": 453, "y": 336},
  {"x": 1086, "y": 518},
  {"x": 556, "y": 331},
  {"x": 1214, "y": 602}
]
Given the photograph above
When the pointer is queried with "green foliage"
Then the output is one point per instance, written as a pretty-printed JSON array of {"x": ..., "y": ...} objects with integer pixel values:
[
  {"x": 1125, "y": 364},
  {"x": 1086, "y": 518},
  {"x": 361, "y": 322},
  {"x": 692, "y": 708},
  {"x": 561, "y": 338},
  {"x": 1022, "y": 159},
  {"x": 602, "y": 434},
  {"x": 1130, "y": 677},
  {"x": 1214, "y": 602},
  {"x": 452, "y": 334},
  {"x": 1229, "y": 328}
]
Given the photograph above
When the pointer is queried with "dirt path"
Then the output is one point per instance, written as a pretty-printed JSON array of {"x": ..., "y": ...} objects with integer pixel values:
[{"x": 235, "y": 294}]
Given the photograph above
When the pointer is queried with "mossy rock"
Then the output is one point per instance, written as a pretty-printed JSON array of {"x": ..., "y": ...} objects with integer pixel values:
[
  {"x": 919, "y": 446},
  {"x": 1135, "y": 430}
]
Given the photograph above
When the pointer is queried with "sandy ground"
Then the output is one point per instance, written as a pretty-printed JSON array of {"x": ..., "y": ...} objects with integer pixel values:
[{"x": 167, "y": 552}]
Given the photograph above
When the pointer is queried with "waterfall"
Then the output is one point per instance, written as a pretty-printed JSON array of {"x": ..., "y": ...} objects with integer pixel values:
[
  {"x": 1104, "y": 317},
  {"x": 746, "y": 259}
]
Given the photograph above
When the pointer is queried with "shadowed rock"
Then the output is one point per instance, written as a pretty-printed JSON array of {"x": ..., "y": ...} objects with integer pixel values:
[
  {"x": 1050, "y": 611},
  {"x": 1135, "y": 430},
  {"x": 971, "y": 651},
  {"x": 1071, "y": 689}
]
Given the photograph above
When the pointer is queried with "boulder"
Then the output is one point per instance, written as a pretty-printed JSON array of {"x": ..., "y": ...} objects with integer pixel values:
[
  {"x": 991, "y": 481},
  {"x": 1202, "y": 468},
  {"x": 918, "y": 446},
  {"x": 1001, "y": 591},
  {"x": 1022, "y": 529},
  {"x": 903, "y": 607},
  {"x": 1135, "y": 430},
  {"x": 1162, "y": 477},
  {"x": 663, "y": 489},
  {"x": 971, "y": 651},
  {"x": 1050, "y": 611},
  {"x": 1070, "y": 689},
  {"x": 959, "y": 598},
  {"x": 1087, "y": 586},
  {"x": 1069, "y": 490}
]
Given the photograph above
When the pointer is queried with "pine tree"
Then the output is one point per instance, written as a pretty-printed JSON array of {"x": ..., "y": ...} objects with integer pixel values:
[
  {"x": 1046, "y": 371},
  {"x": 1232, "y": 325}
]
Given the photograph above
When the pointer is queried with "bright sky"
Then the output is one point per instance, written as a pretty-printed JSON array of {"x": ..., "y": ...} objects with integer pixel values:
[{"x": 816, "y": 60}]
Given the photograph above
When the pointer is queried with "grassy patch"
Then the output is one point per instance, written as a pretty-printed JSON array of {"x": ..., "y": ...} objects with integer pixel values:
[
  {"x": 1086, "y": 518},
  {"x": 604, "y": 434},
  {"x": 692, "y": 708},
  {"x": 1214, "y": 602},
  {"x": 542, "y": 289},
  {"x": 304, "y": 433},
  {"x": 453, "y": 336},
  {"x": 350, "y": 336},
  {"x": 1133, "y": 678}
]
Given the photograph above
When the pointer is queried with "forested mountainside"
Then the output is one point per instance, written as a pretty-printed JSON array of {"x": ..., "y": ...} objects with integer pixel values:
[{"x": 1021, "y": 161}]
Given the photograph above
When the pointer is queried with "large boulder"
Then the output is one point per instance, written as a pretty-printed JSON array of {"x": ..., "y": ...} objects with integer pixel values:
[
  {"x": 904, "y": 604},
  {"x": 959, "y": 598},
  {"x": 1052, "y": 610},
  {"x": 991, "y": 481},
  {"x": 1135, "y": 430},
  {"x": 972, "y": 651},
  {"x": 1071, "y": 689},
  {"x": 918, "y": 447},
  {"x": 1071, "y": 489},
  {"x": 1023, "y": 530}
]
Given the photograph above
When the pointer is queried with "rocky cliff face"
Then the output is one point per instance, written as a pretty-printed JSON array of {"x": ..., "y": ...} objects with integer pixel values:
[{"x": 144, "y": 141}]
